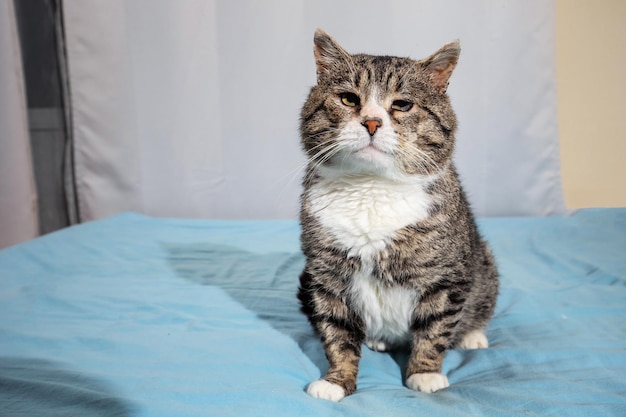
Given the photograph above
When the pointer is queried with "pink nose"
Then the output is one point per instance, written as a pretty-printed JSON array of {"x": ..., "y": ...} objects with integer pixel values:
[{"x": 372, "y": 123}]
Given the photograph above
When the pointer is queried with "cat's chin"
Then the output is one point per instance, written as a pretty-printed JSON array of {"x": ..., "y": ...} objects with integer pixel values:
[
  {"x": 355, "y": 166},
  {"x": 370, "y": 160}
]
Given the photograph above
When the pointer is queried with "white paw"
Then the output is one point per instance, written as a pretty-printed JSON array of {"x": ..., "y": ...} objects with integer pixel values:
[
  {"x": 325, "y": 390},
  {"x": 427, "y": 382},
  {"x": 475, "y": 339},
  {"x": 377, "y": 345}
]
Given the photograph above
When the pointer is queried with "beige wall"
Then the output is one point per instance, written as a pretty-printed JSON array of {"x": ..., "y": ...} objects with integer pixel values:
[{"x": 591, "y": 83}]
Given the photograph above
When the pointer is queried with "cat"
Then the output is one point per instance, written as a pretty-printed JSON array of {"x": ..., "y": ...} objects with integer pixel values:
[{"x": 393, "y": 254}]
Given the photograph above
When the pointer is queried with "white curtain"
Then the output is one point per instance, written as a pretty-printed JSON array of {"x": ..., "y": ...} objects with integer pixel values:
[
  {"x": 190, "y": 108},
  {"x": 18, "y": 198}
]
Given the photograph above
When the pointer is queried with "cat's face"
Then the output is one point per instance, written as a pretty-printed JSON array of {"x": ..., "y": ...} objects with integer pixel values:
[{"x": 379, "y": 115}]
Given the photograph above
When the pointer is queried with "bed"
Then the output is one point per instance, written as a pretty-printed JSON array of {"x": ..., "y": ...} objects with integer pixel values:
[{"x": 140, "y": 316}]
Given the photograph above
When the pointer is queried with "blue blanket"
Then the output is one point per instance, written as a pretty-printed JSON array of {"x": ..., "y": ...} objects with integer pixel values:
[{"x": 136, "y": 316}]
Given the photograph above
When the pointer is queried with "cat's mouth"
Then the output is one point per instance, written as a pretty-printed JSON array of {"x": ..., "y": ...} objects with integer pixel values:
[
  {"x": 372, "y": 155},
  {"x": 366, "y": 155},
  {"x": 372, "y": 149}
]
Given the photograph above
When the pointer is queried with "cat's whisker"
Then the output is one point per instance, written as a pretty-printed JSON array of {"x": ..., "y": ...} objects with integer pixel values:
[
  {"x": 328, "y": 154},
  {"x": 326, "y": 151},
  {"x": 327, "y": 148},
  {"x": 319, "y": 158},
  {"x": 323, "y": 132},
  {"x": 421, "y": 159}
]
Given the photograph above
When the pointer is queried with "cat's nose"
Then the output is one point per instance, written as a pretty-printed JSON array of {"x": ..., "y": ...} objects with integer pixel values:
[{"x": 372, "y": 123}]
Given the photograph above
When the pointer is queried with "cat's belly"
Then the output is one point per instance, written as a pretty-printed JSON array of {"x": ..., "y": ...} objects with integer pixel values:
[
  {"x": 363, "y": 214},
  {"x": 387, "y": 311}
]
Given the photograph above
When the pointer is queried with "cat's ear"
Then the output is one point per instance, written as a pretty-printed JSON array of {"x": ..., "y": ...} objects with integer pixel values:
[
  {"x": 328, "y": 54},
  {"x": 439, "y": 66}
]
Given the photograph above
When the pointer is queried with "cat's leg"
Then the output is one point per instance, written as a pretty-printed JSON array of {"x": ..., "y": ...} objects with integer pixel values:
[
  {"x": 342, "y": 335},
  {"x": 342, "y": 345},
  {"x": 425, "y": 363},
  {"x": 437, "y": 315}
]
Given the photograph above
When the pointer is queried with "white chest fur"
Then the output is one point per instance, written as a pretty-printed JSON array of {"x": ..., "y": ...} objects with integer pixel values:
[
  {"x": 386, "y": 310},
  {"x": 363, "y": 213}
]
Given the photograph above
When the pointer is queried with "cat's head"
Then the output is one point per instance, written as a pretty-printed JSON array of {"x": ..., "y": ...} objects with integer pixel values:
[{"x": 379, "y": 115}]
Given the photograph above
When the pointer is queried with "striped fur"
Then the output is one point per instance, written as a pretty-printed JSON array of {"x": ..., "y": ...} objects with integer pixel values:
[{"x": 393, "y": 254}]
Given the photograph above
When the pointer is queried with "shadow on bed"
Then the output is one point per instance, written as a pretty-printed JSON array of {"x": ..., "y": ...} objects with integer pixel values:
[
  {"x": 32, "y": 387},
  {"x": 265, "y": 284}
]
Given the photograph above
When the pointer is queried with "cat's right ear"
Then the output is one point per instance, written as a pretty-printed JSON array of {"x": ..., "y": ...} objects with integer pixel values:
[
  {"x": 328, "y": 54},
  {"x": 439, "y": 66}
]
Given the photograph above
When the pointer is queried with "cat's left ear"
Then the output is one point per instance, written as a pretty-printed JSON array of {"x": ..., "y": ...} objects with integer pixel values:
[
  {"x": 439, "y": 66},
  {"x": 328, "y": 54}
]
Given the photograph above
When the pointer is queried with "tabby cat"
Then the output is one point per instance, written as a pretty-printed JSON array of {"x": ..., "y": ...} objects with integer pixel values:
[{"x": 393, "y": 255}]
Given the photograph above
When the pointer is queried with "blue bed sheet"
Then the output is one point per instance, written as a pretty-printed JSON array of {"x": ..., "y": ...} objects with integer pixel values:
[{"x": 137, "y": 316}]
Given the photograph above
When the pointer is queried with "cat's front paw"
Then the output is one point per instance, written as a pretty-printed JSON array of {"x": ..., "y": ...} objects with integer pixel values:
[
  {"x": 427, "y": 382},
  {"x": 326, "y": 390},
  {"x": 475, "y": 339},
  {"x": 377, "y": 345}
]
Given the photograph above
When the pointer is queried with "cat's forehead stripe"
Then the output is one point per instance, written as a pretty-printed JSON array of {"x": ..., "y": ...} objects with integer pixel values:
[{"x": 384, "y": 71}]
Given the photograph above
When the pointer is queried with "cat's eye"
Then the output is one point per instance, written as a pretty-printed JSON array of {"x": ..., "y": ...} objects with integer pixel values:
[
  {"x": 401, "y": 105},
  {"x": 350, "y": 99}
]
